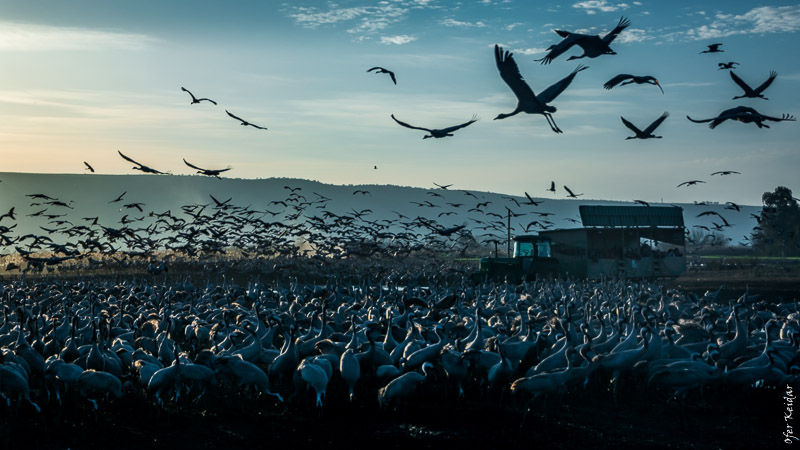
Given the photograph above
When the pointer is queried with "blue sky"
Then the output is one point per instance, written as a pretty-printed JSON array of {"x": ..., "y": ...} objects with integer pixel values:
[{"x": 83, "y": 79}]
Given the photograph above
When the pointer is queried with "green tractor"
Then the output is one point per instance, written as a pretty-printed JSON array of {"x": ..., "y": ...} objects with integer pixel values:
[{"x": 532, "y": 257}]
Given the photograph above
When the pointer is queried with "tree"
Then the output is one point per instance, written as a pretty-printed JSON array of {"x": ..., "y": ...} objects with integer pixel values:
[{"x": 778, "y": 232}]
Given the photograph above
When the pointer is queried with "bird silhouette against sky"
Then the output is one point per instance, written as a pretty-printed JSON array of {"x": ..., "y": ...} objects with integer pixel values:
[
  {"x": 712, "y": 48},
  {"x": 621, "y": 78},
  {"x": 438, "y": 133},
  {"x": 140, "y": 166},
  {"x": 750, "y": 92},
  {"x": 743, "y": 114},
  {"x": 195, "y": 99},
  {"x": 592, "y": 45},
  {"x": 527, "y": 101},
  {"x": 209, "y": 172},
  {"x": 244, "y": 122},
  {"x": 382, "y": 70},
  {"x": 648, "y": 132}
]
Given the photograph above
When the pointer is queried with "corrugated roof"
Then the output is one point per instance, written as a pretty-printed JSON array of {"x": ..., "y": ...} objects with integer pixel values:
[{"x": 631, "y": 216}]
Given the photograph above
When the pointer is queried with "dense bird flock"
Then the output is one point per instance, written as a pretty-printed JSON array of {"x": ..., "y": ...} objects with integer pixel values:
[
  {"x": 86, "y": 343},
  {"x": 378, "y": 340}
]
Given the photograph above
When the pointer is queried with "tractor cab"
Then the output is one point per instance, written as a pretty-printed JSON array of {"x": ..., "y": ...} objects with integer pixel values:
[{"x": 532, "y": 255}]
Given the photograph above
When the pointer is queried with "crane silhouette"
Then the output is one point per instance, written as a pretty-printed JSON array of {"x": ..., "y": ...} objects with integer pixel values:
[
  {"x": 527, "y": 101},
  {"x": 570, "y": 193},
  {"x": 621, "y": 78},
  {"x": 743, "y": 114},
  {"x": 712, "y": 48},
  {"x": 244, "y": 122},
  {"x": 195, "y": 99},
  {"x": 726, "y": 172},
  {"x": 209, "y": 172},
  {"x": 690, "y": 183},
  {"x": 750, "y": 92},
  {"x": 648, "y": 132},
  {"x": 140, "y": 166},
  {"x": 727, "y": 65},
  {"x": 88, "y": 167},
  {"x": 438, "y": 133},
  {"x": 592, "y": 45},
  {"x": 382, "y": 70}
]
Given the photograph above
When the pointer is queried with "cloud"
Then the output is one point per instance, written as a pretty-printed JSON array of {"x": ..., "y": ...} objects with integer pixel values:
[
  {"x": 592, "y": 6},
  {"x": 369, "y": 19},
  {"x": 399, "y": 39},
  {"x": 456, "y": 23},
  {"x": 529, "y": 51},
  {"x": 632, "y": 35},
  {"x": 762, "y": 20},
  {"x": 513, "y": 25},
  {"x": 31, "y": 37}
]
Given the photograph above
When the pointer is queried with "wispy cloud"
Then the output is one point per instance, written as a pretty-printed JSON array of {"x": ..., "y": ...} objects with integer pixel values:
[
  {"x": 457, "y": 23},
  {"x": 32, "y": 37},
  {"x": 399, "y": 39},
  {"x": 762, "y": 20},
  {"x": 511, "y": 26},
  {"x": 632, "y": 35},
  {"x": 529, "y": 51},
  {"x": 593, "y": 6}
]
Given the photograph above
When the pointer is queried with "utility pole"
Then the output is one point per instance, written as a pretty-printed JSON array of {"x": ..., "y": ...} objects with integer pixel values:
[{"x": 508, "y": 229}]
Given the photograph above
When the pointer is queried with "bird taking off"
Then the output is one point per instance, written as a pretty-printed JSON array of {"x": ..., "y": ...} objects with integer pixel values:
[
  {"x": 648, "y": 132},
  {"x": 140, "y": 166},
  {"x": 209, "y": 172},
  {"x": 195, "y": 99},
  {"x": 743, "y": 114},
  {"x": 382, "y": 70},
  {"x": 527, "y": 101},
  {"x": 88, "y": 167},
  {"x": 727, "y": 65},
  {"x": 244, "y": 122},
  {"x": 713, "y": 48},
  {"x": 621, "y": 78},
  {"x": 750, "y": 92},
  {"x": 592, "y": 45},
  {"x": 438, "y": 133}
]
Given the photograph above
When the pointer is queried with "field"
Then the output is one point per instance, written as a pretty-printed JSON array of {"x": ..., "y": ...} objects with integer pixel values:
[{"x": 578, "y": 418}]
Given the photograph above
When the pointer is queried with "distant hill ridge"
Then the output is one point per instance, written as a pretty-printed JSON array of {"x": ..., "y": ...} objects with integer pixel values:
[{"x": 89, "y": 195}]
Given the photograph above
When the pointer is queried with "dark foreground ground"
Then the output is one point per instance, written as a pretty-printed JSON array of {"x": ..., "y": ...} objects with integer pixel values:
[{"x": 753, "y": 419}]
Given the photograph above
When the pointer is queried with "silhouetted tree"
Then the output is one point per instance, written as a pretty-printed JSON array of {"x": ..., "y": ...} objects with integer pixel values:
[{"x": 778, "y": 232}]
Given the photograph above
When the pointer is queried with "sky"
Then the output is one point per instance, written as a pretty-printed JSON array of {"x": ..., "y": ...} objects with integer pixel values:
[{"x": 84, "y": 79}]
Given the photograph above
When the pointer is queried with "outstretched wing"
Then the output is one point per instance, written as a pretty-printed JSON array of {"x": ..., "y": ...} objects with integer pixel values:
[
  {"x": 236, "y": 117},
  {"x": 617, "y": 80},
  {"x": 456, "y": 127},
  {"x": 572, "y": 194},
  {"x": 764, "y": 85},
  {"x": 192, "y": 165},
  {"x": 557, "y": 50},
  {"x": 631, "y": 126},
  {"x": 509, "y": 72},
  {"x": 410, "y": 126},
  {"x": 741, "y": 83},
  {"x": 256, "y": 126},
  {"x": 91, "y": 169},
  {"x": 128, "y": 159},
  {"x": 549, "y": 94},
  {"x": 656, "y": 123},
  {"x": 375, "y": 68},
  {"x": 391, "y": 74},
  {"x": 187, "y": 91},
  {"x": 623, "y": 23}
]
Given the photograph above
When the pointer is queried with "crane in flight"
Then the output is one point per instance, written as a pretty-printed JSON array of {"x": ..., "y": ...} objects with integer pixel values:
[
  {"x": 690, "y": 183},
  {"x": 648, "y": 132},
  {"x": 438, "y": 133},
  {"x": 382, "y": 70},
  {"x": 592, "y": 45},
  {"x": 712, "y": 48},
  {"x": 727, "y": 65},
  {"x": 527, "y": 101},
  {"x": 625, "y": 78},
  {"x": 244, "y": 123},
  {"x": 88, "y": 167},
  {"x": 726, "y": 172},
  {"x": 743, "y": 114},
  {"x": 570, "y": 193},
  {"x": 750, "y": 92},
  {"x": 209, "y": 172},
  {"x": 195, "y": 99},
  {"x": 140, "y": 166}
]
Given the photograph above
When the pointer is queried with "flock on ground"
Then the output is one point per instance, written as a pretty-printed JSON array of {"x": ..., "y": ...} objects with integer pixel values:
[{"x": 83, "y": 344}]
